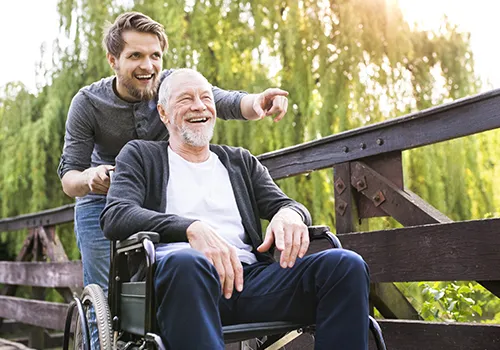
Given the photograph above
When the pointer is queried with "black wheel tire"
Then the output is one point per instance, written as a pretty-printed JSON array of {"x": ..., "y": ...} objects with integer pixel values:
[{"x": 93, "y": 296}]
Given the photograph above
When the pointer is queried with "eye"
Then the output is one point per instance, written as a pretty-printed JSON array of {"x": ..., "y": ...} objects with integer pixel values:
[
  {"x": 157, "y": 55},
  {"x": 135, "y": 55},
  {"x": 207, "y": 97}
]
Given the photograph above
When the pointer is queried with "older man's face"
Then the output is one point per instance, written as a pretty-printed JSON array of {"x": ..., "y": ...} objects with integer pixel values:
[{"x": 191, "y": 110}]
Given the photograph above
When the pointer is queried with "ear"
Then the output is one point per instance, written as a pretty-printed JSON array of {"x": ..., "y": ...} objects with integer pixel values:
[
  {"x": 111, "y": 60},
  {"x": 163, "y": 114}
]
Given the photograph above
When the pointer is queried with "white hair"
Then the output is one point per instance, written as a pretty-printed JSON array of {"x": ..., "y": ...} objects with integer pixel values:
[{"x": 166, "y": 85}]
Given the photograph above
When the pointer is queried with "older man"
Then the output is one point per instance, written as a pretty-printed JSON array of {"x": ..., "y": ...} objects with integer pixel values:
[{"x": 206, "y": 202}]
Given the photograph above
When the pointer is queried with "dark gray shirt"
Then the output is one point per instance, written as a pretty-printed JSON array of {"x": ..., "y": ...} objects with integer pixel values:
[{"x": 100, "y": 123}]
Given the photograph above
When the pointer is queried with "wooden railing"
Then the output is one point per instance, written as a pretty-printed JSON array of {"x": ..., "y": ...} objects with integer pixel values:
[{"x": 368, "y": 181}]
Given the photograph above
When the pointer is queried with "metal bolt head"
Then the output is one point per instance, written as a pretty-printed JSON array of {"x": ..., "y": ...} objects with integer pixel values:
[
  {"x": 380, "y": 142},
  {"x": 362, "y": 145},
  {"x": 345, "y": 149},
  {"x": 376, "y": 198},
  {"x": 117, "y": 278}
]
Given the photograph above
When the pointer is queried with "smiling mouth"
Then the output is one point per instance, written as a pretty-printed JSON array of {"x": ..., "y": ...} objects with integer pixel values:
[
  {"x": 144, "y": 77},
  {"x": 197, "y": 120}
]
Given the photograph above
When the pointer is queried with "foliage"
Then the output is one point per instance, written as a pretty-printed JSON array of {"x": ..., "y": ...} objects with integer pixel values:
[{"x": 346, "y": 64}]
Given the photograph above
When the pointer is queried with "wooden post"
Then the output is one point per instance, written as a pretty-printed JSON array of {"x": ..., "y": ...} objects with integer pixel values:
[{"x": 36, "y": 335}]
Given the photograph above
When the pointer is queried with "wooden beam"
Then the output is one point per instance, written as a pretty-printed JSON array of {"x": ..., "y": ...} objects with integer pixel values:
[
  {"x": 392, "y": 303},
  {"x": 10, "y": 345},
  {"x": 346, "y": 212},
  {"x": 40, "y": 274},
  {"x": 404, "y": 206},
  {"x": 466, "y": 251},
  {"x": 418, "y": 335},
  {"x": 34, "y": 312},
  {"x": 441, "y": 123},
  {"x": 55, "y": 216}
]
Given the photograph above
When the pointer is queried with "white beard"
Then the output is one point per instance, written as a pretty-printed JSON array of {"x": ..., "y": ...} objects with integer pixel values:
[{"x": 197, "y": 139}]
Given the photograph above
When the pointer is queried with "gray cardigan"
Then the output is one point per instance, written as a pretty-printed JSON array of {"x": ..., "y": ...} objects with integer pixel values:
[{"x": 136, "y": 200}]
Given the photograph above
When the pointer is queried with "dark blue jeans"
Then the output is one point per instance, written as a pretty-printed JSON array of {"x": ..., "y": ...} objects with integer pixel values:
[{"x": 329, "y": 289}]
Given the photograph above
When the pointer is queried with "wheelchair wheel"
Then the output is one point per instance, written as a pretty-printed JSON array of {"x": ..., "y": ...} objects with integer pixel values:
[{"x": 96, "y": 307}]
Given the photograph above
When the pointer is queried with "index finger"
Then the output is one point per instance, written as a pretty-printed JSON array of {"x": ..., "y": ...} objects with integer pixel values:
[{"x": 275, "y": 92}]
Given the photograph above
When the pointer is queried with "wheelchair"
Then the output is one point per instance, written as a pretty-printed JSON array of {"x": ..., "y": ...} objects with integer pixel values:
[{"x": 126, "y": 319}]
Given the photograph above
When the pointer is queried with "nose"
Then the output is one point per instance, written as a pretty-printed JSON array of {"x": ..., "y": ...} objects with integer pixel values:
[
  {"x": 198, "y": 104},
  {"x": 146, "y": 64}
]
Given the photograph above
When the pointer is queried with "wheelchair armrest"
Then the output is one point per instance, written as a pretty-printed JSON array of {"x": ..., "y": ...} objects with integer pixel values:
[
  {"x": 323, "y": 232},
  {"x": 138, "y": 238}
]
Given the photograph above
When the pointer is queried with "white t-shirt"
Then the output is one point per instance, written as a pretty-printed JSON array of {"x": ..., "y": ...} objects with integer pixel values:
[{"x": 203, "y": 191}]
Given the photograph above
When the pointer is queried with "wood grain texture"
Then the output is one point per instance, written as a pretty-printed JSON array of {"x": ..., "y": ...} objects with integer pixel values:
[
  {"x": 439, "y": 252},
  {"x": 445, "y": 122},
  {"x": 41, "y": 274},
  {"x": 34, "y": 312}
]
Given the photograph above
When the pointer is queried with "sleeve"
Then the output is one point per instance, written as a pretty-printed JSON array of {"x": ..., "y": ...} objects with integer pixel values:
[
  {"x": 228, "y": 103},
  {"x": 270, "y": 198},
  {"x": 125, "y": 212},
  {"x": 78, "y": 138}
]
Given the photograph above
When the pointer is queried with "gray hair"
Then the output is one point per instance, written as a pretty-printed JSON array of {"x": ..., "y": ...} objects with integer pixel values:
[{"x": 166, "y": 86}]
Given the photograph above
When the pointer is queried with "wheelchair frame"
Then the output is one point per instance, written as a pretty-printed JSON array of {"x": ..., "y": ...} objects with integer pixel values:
[{"x": 128, "y": 299}]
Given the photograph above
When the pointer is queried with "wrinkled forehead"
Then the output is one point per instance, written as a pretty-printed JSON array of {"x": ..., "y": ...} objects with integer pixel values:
[{"x": 189, "y": 81}]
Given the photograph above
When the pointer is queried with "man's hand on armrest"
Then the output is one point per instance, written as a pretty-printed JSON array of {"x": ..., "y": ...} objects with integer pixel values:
[
  {"x": 290, "y": 235},
  {"x": 220, "y": 253},
  {"x": 79, "y": 183}
]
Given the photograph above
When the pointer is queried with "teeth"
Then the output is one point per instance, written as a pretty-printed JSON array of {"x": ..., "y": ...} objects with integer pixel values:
[
  {"x": 144, "y": 76},
  {"x": 195, "y": 120}
]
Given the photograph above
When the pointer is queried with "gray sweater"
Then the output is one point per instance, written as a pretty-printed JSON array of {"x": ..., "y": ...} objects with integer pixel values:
[
  {"x": 100, "y": 123},
  {"x": 136, "y": 200}
]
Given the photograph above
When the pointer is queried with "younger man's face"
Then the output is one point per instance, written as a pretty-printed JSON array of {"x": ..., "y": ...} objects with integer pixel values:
[{"x": 138, "y": 67}]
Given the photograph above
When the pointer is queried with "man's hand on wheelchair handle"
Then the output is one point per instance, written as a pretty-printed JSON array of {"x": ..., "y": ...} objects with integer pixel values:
[
  {"x": 290, "y": 235},
  {"x": 220, "y": 253}
]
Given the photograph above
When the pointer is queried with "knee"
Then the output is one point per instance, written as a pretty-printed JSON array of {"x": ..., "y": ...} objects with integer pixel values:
[
  {"x": 349, "y": 262},
  {"x": 186, "y": 265},
  {"x": 185, "y": 260}
]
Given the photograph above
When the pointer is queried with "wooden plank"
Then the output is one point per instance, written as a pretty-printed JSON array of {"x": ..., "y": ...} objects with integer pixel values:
[
  {"x": 346, "y": 216},
  {"x": 418, "y": 335},
  {"x": 24, "y": 255},
  {"x": 459, "y": 118},
  {"x": 36, "y": 337},
  {"x": 466, "y": 250},
  {"x": 40, "y": 274},
  {"x": 392, "y": 303},
  {"x": 34, "y": 312},
  {"x": 404, "y": 206},
  {"x": 55, "y": 216},
  {"x": 388, "y": 165},
  {"x": 10, "y": 345}
]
